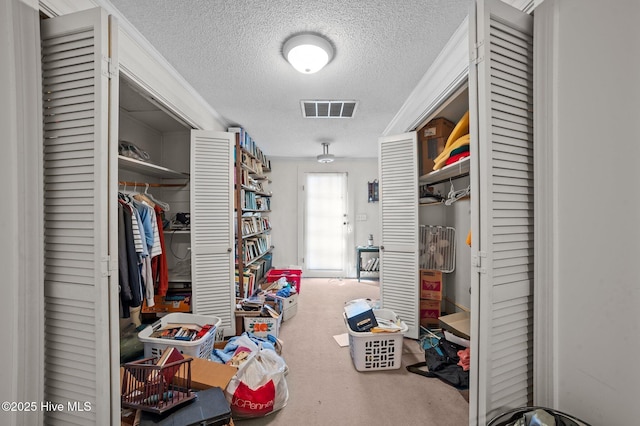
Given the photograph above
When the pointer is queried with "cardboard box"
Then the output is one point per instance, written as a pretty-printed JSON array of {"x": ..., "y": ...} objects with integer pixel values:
[
  {"x": 206, "y": 374},
  {"x": 262, "y": 326},
  {"x": 431, "y": 141},
  {"x": 289, "y": 307},
  {"x": 429, "y": 312},
  {"x": 430, "y": 284},
  {"x": 458, "y": 323}
]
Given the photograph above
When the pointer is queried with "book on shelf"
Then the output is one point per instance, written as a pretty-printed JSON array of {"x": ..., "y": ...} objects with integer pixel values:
[
  {"x": 367, "y": 266},
  {"x": 248, "y": 283}
]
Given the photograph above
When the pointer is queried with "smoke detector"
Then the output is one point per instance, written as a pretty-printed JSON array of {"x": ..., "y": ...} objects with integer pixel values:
[{"x": 325, "y": 157}]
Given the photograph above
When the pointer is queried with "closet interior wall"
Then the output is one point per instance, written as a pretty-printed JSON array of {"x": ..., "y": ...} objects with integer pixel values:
[
  {"x": 457, "y": 284},
  {"x": 456, "y": 290},
  {"x": 167, "y": 141}
]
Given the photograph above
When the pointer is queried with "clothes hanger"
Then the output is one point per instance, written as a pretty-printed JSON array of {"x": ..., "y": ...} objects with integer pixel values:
[
  {"x": 162, "y": 204},
  {"x": 144, "y": 197},
  {"x": 454, "y": 195}
]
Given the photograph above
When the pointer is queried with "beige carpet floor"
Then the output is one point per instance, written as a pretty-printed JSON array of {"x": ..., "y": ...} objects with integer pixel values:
[{"x": 326, "y": 389}]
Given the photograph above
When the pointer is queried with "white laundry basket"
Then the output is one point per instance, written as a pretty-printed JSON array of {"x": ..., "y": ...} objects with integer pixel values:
[
  {"x": 377, "y": 351},
  {"x": 201, "y": 348}
]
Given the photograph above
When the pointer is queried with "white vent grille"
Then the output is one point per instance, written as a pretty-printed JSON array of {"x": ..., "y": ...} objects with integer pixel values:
[{"x": 328, "y": 109}]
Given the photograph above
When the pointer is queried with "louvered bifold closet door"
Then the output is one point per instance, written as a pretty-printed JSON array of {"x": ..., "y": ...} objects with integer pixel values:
[
  {"x": 502, "y": 88},
  {"x": 212, "y": 226},
  {"x": 399, "y": 229},
  {"x": 77, "y": 362}
]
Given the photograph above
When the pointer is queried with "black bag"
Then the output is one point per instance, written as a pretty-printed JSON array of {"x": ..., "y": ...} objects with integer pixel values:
[{"x": 442, "y": 362}]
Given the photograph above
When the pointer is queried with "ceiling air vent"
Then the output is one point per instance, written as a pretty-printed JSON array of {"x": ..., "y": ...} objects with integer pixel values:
[{"x": 328, "y": 109}]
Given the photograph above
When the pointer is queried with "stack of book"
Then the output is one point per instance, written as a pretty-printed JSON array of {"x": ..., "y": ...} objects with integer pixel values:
[
  {"x": 184, "y": 332},
  {"x": 372, "y": 265}
]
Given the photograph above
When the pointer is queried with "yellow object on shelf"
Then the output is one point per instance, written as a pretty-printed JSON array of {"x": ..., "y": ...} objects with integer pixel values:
[
  {"x": 442, "y": 158},
  {"x": 469, "y": 238},
  {"x": 461, "y": 129}
]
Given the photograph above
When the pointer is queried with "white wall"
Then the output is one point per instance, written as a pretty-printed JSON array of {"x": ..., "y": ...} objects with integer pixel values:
[
  {"x": 598, "y": 209},
  {"x": 458, "y": 215},
  {"x": 286, "y": 217}
]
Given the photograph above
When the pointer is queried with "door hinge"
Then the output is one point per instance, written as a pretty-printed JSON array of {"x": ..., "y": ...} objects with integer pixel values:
[
  {"x": 476, "y": 262},
  {"x": 109, "y": 69},
  {"x": 108, "y": 266},
  {"x": 477, "y": 53}
]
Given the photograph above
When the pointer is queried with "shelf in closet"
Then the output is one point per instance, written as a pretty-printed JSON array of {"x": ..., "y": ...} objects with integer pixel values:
[
  {"x": 256, "y": 211},
  {"x": 150, "y": 169},
  {"x": 452, "y": 171},
  {"x": 179, "y": 279},
  {"x": 176, "y": 231}
]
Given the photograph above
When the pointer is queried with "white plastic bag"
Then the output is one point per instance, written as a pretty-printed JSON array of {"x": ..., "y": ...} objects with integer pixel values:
[
  {"x": 259, "y": 387},
  {"x": 245, "y": 348}
]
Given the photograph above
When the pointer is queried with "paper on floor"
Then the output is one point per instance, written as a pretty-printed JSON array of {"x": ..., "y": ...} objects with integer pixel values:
[{"x": 342, "y": 339}]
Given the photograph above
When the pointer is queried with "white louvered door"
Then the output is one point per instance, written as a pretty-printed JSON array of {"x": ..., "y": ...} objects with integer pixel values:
[
  {"x": 399, "y": 229},
  {"x": 77, "y": 217},
  {"x": 501, "y": 91},
  {"x": 212, "y": 227}
]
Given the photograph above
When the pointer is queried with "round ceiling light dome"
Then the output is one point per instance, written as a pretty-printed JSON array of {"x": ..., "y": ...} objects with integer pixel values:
[{"x": 308, "y": 53}]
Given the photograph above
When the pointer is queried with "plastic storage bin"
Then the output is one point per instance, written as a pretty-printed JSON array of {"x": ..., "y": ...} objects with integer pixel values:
[
  {"x": 201, "y": 348},
  {"x": 377, "y": 351},
  {"x": 293, "y": 276}
]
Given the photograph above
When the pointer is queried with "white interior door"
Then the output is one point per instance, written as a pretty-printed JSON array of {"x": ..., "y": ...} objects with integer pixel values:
[
  {"x": 79, "y": 215},
  {"x": 501, "y": 102},
  {"x": 399, "y": 229},
  {"x": 326, "y": 225},
  {"x": 212, "y": 260}
]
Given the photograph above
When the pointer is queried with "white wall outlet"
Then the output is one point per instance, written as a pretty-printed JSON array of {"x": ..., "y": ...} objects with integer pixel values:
[{"x": 361, "y": 217}]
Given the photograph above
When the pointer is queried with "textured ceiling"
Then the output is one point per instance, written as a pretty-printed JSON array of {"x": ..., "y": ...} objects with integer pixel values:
[{"x": 230, "y": 52}]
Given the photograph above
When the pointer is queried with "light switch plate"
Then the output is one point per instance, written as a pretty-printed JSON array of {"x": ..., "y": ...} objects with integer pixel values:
[{"x": 361, "y": 217}]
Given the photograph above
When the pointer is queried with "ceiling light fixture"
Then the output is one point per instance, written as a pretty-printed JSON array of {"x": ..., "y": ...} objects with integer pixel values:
[
  {"x": 325, "y": 157},
  {"x": 308, "y": 53}
]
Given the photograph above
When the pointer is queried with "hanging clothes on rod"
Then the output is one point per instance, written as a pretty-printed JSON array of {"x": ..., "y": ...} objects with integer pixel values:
[
  {"x": 141, "y": 248},
  {"x": 128, "y": 271}
]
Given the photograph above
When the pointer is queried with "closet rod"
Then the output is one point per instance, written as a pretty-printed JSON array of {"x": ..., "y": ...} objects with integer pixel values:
[{"x": 153, "y": 185}]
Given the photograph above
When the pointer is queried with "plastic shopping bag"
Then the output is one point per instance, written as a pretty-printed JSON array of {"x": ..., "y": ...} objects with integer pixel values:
[{"x": 259, "y": 387}]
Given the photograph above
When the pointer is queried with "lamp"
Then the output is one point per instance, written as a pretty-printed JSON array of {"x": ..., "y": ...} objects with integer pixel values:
[
  {"x": 325, "y": 157},
  {"x": 308, "y": 53}
]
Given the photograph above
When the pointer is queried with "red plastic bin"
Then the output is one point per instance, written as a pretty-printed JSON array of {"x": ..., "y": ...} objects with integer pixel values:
[{"x": 293, "y": 276}]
